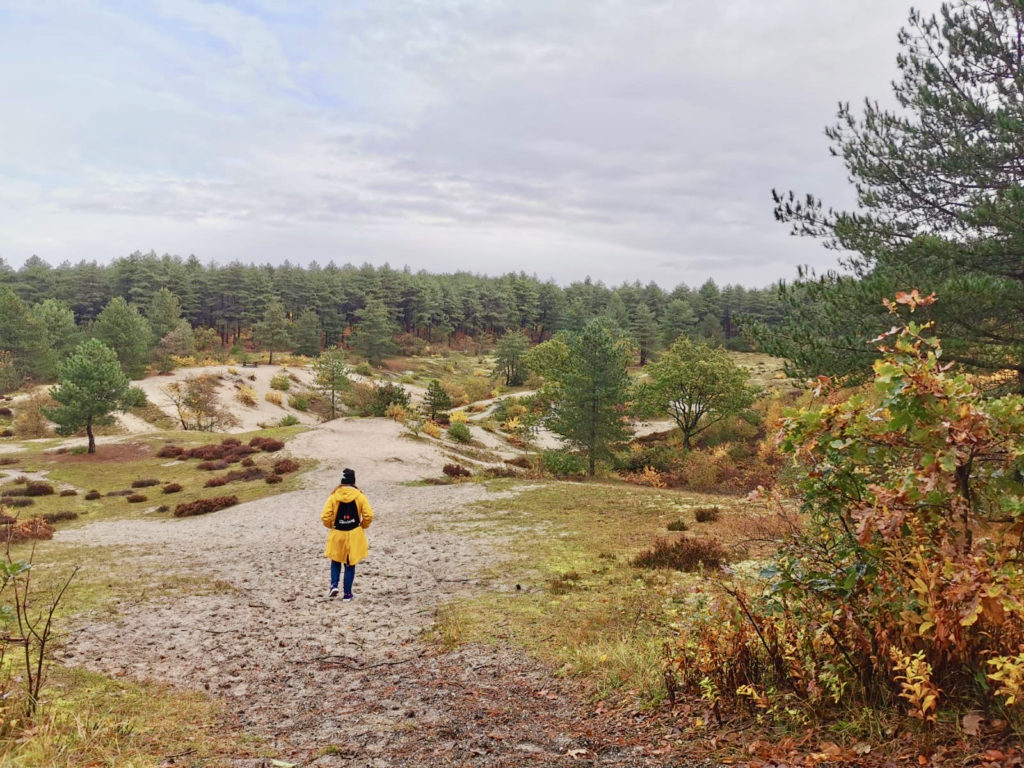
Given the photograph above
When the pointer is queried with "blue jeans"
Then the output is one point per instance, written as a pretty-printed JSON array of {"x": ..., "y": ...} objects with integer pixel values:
[{"x": 350, "y": 575}]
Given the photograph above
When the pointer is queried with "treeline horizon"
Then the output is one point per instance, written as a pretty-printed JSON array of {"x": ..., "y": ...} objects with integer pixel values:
[{"x": 435, "y": 307}]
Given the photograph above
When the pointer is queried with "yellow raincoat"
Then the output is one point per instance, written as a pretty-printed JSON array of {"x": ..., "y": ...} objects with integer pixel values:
[{"x": 347, "y": 546}]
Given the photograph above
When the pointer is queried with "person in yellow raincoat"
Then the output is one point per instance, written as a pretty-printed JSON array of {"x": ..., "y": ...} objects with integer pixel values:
[{"x": 346, "y": 513}]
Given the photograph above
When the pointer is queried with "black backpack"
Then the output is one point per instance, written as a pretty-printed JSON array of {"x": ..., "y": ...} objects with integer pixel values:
[{"x": 346, "y": 518}]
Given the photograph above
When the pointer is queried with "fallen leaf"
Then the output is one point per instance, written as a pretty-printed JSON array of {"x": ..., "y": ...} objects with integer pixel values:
[
  {"x": 861, "y": 748},
  {"x": 971, "y": 723},
  {"x": 576, "y": 754}
]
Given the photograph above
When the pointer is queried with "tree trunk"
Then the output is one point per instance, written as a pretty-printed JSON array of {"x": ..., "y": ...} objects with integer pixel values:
[{"x": 92, "y": 438}]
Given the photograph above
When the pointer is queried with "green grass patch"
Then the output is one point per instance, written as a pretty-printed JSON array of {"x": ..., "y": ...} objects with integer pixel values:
[
  {"x": 116, "y": 466},
  {"x": 89, "y": 719},
  {"x": 583, "y": 608}
]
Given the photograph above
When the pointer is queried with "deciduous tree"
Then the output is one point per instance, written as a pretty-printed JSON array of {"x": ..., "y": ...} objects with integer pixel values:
[{"x": 697, "y": 386}]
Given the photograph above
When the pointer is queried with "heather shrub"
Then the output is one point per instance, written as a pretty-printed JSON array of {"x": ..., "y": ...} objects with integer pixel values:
[
  {"x": 248, "y": 462},
  {"x": 250, "y": 473},
  {"x": 171, "y": 488},
  {"x": 205, "y": 506},
  {"x": 136, "y": 498},
  {"x": 266, "y": 444},
  {"x": 456, "y": 471},
  {"x": 146, "y": 483},
  {"x": 677, "y": 525},
  {"x": 68, "y": 492},
  {"x": 170, "y": 452},
  {"x": 284, "y": 466},
  {"x": 93, "y": 495},
  {"x": 519, "y": 461},
  {"x": 683, "y": 554},
  {"x": 212, "y": 466},
  {"x": 273, "y": 479},
  {"x": 18, "y": 501},
  {"x": 216, "y": 482},
  {"x": 124, "y": 492},
  {"x": 38, "y": 488},
  {"x": 707, "y": 514},
  {"x": 57, "y": 517}
]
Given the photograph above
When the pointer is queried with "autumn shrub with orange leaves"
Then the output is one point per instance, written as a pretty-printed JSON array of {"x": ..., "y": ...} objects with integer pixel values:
[{"x": 904, "y": 587}]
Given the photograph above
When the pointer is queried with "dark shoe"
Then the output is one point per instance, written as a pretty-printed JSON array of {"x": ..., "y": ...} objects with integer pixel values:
[
  {"x": 333, "y": 592},
  {"x": 348, "y": 596}
]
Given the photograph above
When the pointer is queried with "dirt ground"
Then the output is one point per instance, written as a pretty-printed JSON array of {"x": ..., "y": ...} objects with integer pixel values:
[{"x": 333, "y": 683}]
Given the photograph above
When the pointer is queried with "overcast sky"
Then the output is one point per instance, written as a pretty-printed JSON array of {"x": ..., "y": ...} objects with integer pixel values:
[{"x": 621, "y": 139}]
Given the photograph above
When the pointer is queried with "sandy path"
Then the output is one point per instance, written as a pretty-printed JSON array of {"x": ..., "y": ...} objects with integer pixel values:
[{"x": 330, "y": 683}]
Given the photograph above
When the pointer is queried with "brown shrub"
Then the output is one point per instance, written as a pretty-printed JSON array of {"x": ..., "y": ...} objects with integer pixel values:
[
  {"x": 216, "y": 482},
  {"x": 204, "y": 506},
  {"x": 212, "y": 466},
  {"x": 171, "y": 488},
  {"x": 456, "y": 470},
  {"x": 6, "y": 519},
  {"x": 267, "y": 444},
  {"x": 677, "y": 525},
  {"x": 6, "y": 461},
  {"x": 683, "y": 554},
  {"x": 501, "y": 472},
  {"x": 707, "y": 514},
  {"x": 145, "y": 483},
  {"x": 56, "y": 517},
  {"x": 163, "y": 508},
  {"x": 210, "y": 452},
  {"x": 273, "y": 479},
  {"x": 284, "y": 466},
  {"x": 37, "y": 488},
  {"x": 20, "y": 480},
  {"x": 519, "y": 461},
  {"x": 231, "y": 441},
  {"x": 247, "y": 462},
  {"x": 69, "y": 492},
  {"x": 5, "y": 411},
  {"x": 7, "y": 433},
  {"x": 93, "y": 495},
  {"x": 170, "y": 452},
  {"x": 120, "y": 493},
  {"x": 136, "y": 498},
  {"x": 18, "y": 502},
  {"x": 249, "y": 473},
  {"x": 24, "y": 530}
]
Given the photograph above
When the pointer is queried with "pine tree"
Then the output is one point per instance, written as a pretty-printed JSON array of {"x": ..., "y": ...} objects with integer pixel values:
[
  {"x": 644, "y": 331},
  {"x": 306, "y": 335},
  {"x": 509, "y": 361},
  {"x": 163, "y": 312},
  {"x": 273, "y": 333},
  {"x": 331, "y": 376},
  {"x": 373, "y": 335},
  {"x": 940, "y": 193},
  {"x": 90, "y": 387},
  {"x": 437, "y": 400},
  {"x": 588, "y": 387},
  {"x": 124, "y": 330}
]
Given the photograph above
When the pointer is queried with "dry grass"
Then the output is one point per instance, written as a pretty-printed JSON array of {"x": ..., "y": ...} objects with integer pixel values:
[{"x": 583, "y": 607}]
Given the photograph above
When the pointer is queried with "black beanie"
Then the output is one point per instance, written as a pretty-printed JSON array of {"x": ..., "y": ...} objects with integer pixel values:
[{"x": 348, "y": 476}]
